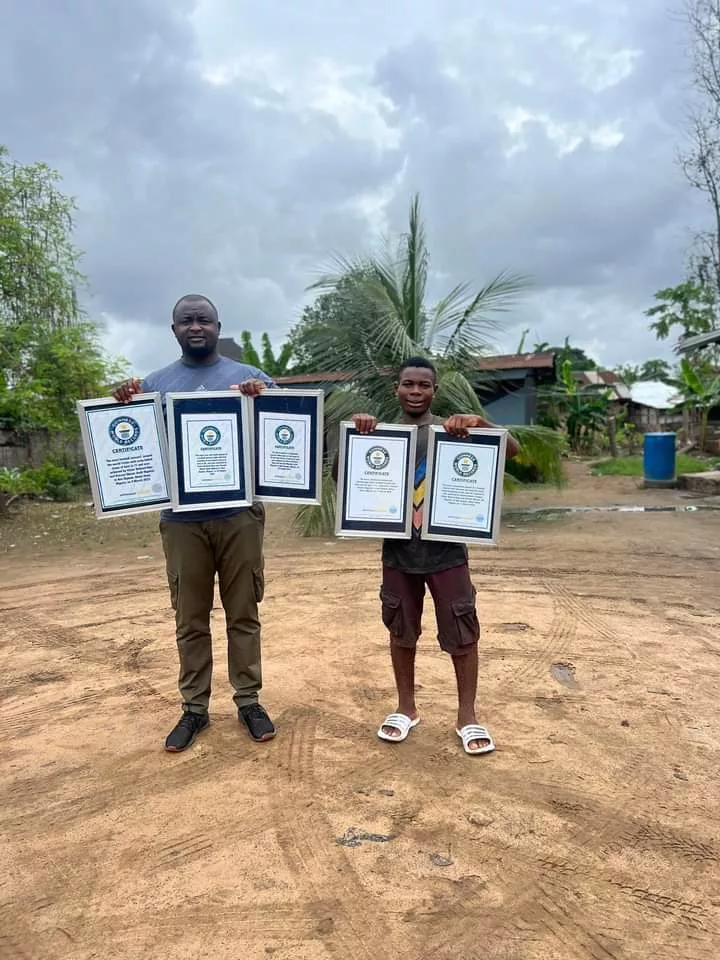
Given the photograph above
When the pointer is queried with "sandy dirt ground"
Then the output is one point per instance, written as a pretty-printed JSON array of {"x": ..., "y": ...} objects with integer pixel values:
[{"x": 591, "y": 834}]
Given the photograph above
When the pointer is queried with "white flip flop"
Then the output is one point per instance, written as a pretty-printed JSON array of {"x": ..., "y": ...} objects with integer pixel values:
[
  {"x": 471, "y": 732},
  {"x": 398, "y": 721}
]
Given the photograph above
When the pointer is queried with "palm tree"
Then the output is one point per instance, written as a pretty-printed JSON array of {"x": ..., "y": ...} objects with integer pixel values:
[{"x": 385, "y": 318}]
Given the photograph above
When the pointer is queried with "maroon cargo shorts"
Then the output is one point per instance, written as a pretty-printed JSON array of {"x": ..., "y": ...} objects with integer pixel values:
[{"x": 402, "y": 596}]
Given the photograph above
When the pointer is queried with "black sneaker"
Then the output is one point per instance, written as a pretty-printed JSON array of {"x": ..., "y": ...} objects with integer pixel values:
[
  {"x": 188, "y": 727},
  {"x": 259, "y": 724}
]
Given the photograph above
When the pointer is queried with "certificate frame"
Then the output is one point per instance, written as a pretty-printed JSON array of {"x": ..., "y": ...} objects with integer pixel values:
[
  {"x": 276, "y": 405},
  {"x": 400, "y": 529},
  {"x": 210, "y": 404},
  {"x": 432, "y": 529},
  {"x": 85, "y": 409}
]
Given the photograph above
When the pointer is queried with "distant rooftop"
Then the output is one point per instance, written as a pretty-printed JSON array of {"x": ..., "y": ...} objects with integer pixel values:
[
  {"x": 654, "y": 393},
  {"x": 603, "y": 378},
  {"x": 504, "y": 362},
  {"x": 699, "y": 340},
  {"x": 511, "y": 361}
]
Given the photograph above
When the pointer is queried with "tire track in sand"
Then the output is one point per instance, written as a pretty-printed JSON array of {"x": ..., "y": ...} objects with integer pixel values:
[
  {"x": 539, "y": 898},
  {"x": 305, "y": 837}
]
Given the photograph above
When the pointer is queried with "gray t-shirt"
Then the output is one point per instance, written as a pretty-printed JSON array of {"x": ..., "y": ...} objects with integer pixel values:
[{"x": 183, "y": 377}]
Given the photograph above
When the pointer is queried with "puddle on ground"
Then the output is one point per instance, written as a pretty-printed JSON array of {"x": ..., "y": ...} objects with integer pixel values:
[
  {"x": 564, "y": 673},
  {"x": 549, "y": 513}
]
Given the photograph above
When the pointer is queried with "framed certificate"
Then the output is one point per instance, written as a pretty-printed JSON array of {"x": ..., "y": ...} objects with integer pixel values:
[
  {"x": 209, "y": 441},
  {"x": 126, "y": 452},
  {"x": 288, "y": 446},
  {"x": 464, "y": 486},
  {"x": 374, "y": 492}
]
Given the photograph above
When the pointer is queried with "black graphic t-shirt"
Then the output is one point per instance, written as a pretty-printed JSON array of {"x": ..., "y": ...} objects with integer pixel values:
[{"x": 417, "y": 555}]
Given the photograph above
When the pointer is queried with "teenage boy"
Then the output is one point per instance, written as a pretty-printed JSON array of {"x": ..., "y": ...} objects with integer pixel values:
[{"x": 411, "y": 565}]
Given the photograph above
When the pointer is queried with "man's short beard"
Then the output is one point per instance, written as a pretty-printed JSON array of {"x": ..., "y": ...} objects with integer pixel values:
[{"x": 199, "y": 353}]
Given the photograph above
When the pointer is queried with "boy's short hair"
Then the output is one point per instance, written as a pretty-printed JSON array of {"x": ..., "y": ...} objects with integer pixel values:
[{"x": 421, "y": 362}]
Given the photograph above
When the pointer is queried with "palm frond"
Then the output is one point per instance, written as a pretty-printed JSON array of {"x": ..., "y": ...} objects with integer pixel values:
[
  {"x": 318, "y": 521},
  {"x": 455, "y": 394},
  {"x": 453, "y": 302},
  {"x": 337, "y": 270},
  {"x": 379, "y": 318},
  {"x": 340, "y": 405},
  {"x": 542, "y": 449},
  {"x": 467, "y": 324},
  {"x": 511, "y": 483},
  {"x": 415, "y": 273}
]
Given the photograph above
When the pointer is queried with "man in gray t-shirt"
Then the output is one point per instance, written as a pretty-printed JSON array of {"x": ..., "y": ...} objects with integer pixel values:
[{"x": 200, "y": 543}]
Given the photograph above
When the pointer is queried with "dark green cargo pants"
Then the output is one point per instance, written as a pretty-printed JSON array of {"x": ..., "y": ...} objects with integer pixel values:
[{"x": 194, "y": 553}]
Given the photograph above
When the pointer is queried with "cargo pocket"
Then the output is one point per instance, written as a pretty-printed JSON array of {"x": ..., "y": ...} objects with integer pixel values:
[
  {"x": 172, "y": 579},
  {"x": 467, "y": 625},
  {"x": 257, "y": 511},
  {"x": 392, "y": 615},
  {"x": 259, "y": 585}
]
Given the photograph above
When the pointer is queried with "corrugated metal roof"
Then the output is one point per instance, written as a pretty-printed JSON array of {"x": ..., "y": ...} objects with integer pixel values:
[
  {"x": 518, "y": 361},
  {"x": 597, "y": 378},
  {"x": 336, "y": 377},
  {"x": 511, "y": 361},
  {"x": 699, "y": 340},
  {"x": 654, "y": 393}
]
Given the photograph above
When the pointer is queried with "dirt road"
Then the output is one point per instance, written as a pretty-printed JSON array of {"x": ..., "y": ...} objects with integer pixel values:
[{"x": 592, "y": 832}]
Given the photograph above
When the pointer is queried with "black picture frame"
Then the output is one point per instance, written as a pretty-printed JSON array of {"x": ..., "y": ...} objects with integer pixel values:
[
  {"x": 446, "y": 456},
  {"x": 278, "y": 417},
  {"x": 186, "y": 412},
  {"x": 350, "y": 460}
]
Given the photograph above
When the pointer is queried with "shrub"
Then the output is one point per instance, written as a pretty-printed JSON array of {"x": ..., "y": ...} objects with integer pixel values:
[{"x": 49, "y": 480}]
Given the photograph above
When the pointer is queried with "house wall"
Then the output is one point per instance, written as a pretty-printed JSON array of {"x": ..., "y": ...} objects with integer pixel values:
[
  {"x": 514, "y": 399},
  {"x": 508, "y": 409}
]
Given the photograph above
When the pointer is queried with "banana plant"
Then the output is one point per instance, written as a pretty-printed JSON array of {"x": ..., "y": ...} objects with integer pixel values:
[{"x": 700, "y": 391}]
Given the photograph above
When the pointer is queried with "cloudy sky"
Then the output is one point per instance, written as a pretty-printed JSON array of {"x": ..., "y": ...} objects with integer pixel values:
[{"x": 229, "y": 146}]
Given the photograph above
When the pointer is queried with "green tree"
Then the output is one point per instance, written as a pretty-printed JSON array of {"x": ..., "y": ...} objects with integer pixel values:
[
  {"x": 339, "y": 307},
  {"x": 685, "y": 310},
  {"x": 249, "y": 353},
  {"x": 39, "y": 271},
  {"x": 649, "y": 370},
  {"x": 629, "y": 373},
  {"x": 275, "y": 365},
  {"x": 690, "y": 306},
  {"x": 578, "y": 358},
  {"x": 379, "y": 316},
  {"x": 49, "y": 350},
  {"x": 60, "y": 366},
  {"x": 655, "y": 370}
]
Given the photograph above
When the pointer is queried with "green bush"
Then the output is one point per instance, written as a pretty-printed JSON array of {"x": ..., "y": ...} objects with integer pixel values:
[
  {"x": 18, "y": 483},
  {"x": 633, "y": 466},
  {"x": 49, "y": 480}
]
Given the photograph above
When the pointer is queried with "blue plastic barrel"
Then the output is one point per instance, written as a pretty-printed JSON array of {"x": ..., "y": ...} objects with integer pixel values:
[{"x": 659, "y": 459}]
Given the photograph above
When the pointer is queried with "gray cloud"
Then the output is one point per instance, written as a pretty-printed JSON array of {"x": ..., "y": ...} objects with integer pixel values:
[{"x": 230, "y": 147}]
